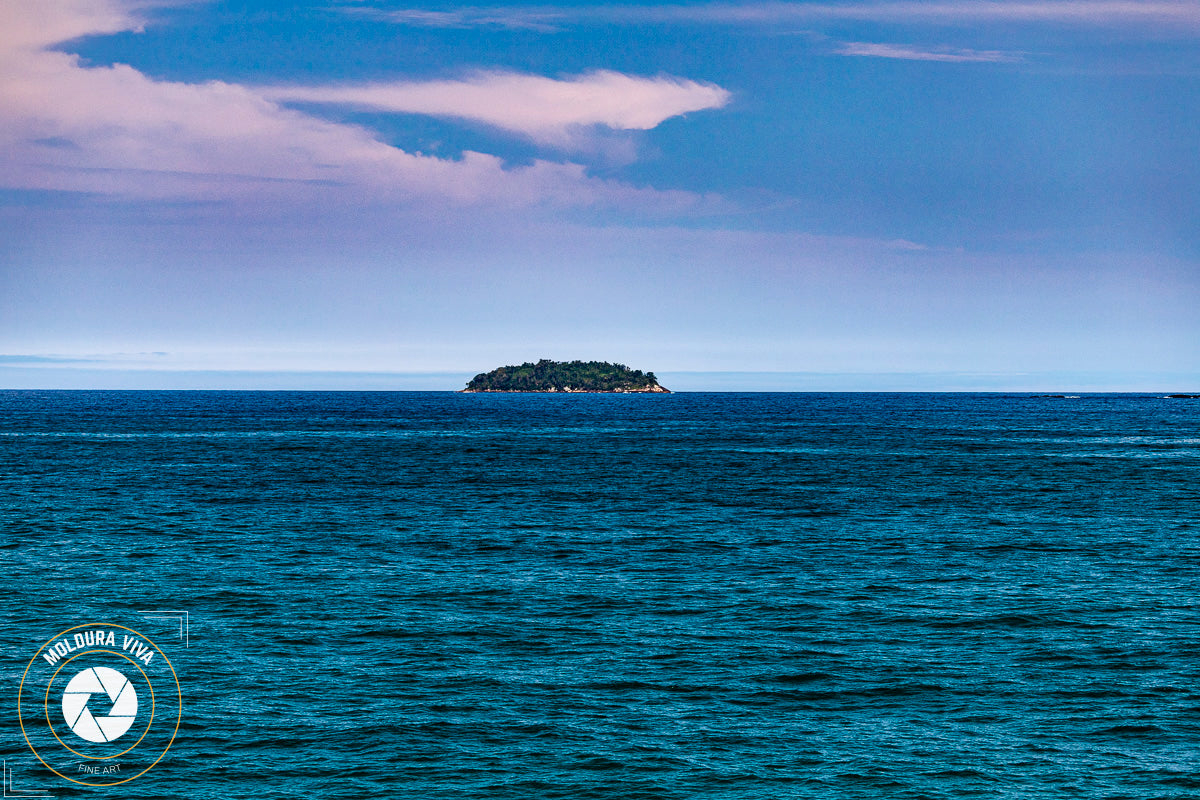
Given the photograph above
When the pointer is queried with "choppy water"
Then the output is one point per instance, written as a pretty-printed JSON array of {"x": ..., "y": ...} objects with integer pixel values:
[{"x": 433, "y": 595}]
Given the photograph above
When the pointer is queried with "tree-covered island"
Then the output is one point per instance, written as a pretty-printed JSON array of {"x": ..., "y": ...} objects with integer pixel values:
[{"x": 565, "y": 376}]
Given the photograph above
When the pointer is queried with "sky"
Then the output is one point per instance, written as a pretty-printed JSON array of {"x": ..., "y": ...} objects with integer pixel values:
[{"x": 821, "y": 196}]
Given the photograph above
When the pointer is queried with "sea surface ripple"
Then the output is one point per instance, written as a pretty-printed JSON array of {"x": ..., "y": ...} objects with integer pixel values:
[{"x": 437, "y": 595}]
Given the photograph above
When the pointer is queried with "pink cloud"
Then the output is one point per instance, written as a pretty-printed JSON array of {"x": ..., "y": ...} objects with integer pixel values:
[
  {"x": 548, "y": 110},
  {"x": 32, "y": 26},
  {"x": 116, "y": 131}
]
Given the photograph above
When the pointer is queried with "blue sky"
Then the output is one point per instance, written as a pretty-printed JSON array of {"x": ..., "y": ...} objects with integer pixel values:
[{"x": 839, "y": 195}]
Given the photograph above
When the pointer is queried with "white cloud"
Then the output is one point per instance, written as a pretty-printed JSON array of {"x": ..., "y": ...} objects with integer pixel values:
[
  {"x": 114, "y": 130},
  {"x": 553, "y": 111},
  {"x": 465, "y": 18},
  {"x": 910, "y": 53}
]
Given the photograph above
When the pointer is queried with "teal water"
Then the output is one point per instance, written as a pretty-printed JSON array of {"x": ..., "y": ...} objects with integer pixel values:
[{"x": 435, "y": 595}]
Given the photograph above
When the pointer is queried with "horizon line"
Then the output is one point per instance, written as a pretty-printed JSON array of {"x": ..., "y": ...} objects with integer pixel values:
[{"x": 26, "y": 377}]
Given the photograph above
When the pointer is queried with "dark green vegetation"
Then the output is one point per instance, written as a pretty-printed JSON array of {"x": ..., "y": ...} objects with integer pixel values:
[{"x": 565, "y": 376}]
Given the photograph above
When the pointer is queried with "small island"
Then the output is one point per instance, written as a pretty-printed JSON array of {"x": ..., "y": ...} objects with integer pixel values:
[{"x": 566, "y": 376}]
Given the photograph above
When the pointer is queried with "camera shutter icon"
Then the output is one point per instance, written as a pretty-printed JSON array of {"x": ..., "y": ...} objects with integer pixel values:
[{"x": 76, "y": 704}]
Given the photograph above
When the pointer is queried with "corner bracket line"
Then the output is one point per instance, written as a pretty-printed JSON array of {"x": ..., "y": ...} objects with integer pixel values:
[
  {"x": 185, "y": 626},
  {"x": 9, "y": 791}
]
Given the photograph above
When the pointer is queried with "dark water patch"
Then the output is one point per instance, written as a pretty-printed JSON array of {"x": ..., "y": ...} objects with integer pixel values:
[
  {"x": 800, "y": 679},
  {"x": 1128, "y": 731},
  {"x": 1001, "y": 621}
]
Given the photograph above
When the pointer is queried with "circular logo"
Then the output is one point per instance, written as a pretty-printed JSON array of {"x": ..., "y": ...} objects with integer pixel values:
[
  {"x": 100, "y": 681},
  {"x": 99, "y": 704}
]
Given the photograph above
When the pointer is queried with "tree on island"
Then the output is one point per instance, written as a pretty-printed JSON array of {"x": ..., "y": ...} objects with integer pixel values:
[{"x": 565, "y": 376}]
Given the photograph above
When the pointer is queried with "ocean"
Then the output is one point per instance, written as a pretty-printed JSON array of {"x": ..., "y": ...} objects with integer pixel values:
[{"x": 719, "y": 596}]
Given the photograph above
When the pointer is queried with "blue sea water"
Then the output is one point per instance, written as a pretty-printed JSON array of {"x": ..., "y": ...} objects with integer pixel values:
[{"x": 436, "y": 595}]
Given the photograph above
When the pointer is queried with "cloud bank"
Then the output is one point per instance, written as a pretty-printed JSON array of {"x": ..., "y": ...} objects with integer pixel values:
[{"x": 116, "y": 131}]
